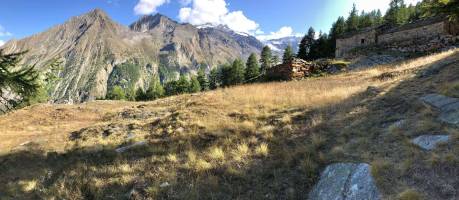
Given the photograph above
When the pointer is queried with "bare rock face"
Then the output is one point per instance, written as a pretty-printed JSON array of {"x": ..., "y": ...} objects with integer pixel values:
[
  {"x": 345, "y": 181},
  {"x": 98, "y": 53}
]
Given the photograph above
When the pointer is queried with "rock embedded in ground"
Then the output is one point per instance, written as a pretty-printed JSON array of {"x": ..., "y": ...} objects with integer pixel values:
[
  {"x": 429, "y": 142},
  {"x": 448, "y": 107},
  {"x": 345, "y": 181},
  {"x": 125, "y": 148}
]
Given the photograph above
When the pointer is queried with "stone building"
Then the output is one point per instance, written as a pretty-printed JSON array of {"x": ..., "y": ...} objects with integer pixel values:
[{"x": 420, "y": 36}]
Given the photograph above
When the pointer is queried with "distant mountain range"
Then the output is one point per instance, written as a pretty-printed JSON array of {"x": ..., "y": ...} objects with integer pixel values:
[
  {"x": 278, "y": 45},
  {"x": 98, "y": 53}
]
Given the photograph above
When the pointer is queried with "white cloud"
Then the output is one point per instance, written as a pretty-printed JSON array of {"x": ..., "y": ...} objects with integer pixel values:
[
  {"x": 216, "y": 12},
  {"x": 2, "y": 43},
  {"x": 3, "y": 32},
  {"x": 285, "y": 31},
  {"x": 145, "y": 7}
]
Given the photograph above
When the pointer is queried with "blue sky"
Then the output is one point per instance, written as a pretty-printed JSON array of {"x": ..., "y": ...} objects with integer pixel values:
[{"x": 265, "y": 19}]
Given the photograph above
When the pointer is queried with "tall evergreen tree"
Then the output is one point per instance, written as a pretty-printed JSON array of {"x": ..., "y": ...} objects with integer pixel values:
[
  {"x": 352, "y": 22},
  {"x": 194, "y": 85},
  {"x": 288, "y": 54},
  {"x": 397, "y": 13},
  {"x": 252, "y": 70},
  {"x": 155, "y": 90},
  {"x": 183, "y": 85},
  {"x": 266, "y": 59},
  {"x": 225, "y": 72},
  {"x": 203, "y": 82},
  {"x": 236, "y": 75},
  {"x": 23, "y": 82},
  {"x": 303, "y": 50},
  {"x": 275, "y": 60},
  {"x": 214, "y": 79}
]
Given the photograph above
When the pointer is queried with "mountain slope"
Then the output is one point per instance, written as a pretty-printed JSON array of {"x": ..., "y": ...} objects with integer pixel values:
[{"x": 98, "y": 53}]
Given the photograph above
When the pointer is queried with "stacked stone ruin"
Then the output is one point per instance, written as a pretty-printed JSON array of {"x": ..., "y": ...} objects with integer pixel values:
[{"x": 422, "y": 36}]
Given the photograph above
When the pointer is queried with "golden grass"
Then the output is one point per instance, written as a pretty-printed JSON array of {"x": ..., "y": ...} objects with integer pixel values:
[{"x": 273, "y": 138}]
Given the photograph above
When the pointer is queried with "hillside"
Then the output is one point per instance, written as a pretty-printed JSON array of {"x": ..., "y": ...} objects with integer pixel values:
[
  {"x": 260, "y": 141},
  {"x": 98, "y": 53}
]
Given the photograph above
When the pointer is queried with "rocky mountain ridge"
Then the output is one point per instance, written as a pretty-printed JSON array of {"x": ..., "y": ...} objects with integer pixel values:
[{"x": 98, "y": 53}]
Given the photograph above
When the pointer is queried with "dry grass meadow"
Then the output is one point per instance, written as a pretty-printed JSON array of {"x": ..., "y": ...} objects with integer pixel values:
[{"x": 260, "y": 141}]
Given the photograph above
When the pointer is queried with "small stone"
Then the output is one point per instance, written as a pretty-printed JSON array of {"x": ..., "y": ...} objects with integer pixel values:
[
  {"x": 165, "y": 184},
  {"x": 429, "y": 142},
  {"x": 123, "y": 149}
]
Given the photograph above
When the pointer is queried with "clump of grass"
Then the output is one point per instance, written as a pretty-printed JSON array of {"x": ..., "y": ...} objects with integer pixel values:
[
  {"x": 262, "y": 150},
  {"x": 410, "y": 194},
  {"x": 241, "y": 152},
  {"x": 216, "y": 153}
]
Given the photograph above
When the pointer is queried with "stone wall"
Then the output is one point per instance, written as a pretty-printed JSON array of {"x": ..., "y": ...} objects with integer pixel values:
[
  {"x": 363, "y": 38},
  {"x": 422, "y": 36},
  {"x": 428, "y": 31}
]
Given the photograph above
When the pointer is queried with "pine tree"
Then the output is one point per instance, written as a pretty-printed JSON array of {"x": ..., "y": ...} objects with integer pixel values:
[
  {"x": 155, "y": 90},
  {"x": 236, "y": 75},
  {"x": 214, "y": 79},
  {"x": 352, "y": 22},
  {"x": 397, "y": 13},
  {"x": 203, "y": 82},
  {"x": 275, "y": 60},
  {"x": 194, "y": 85},
  {"x": 311, "y": 39},
  {"x": 288, "y": 55},
  {"x": 23, "y": 82},
  {"x": 183, "y": 85},
  {"x": 266, "y": 59},
  {"x": 252, "y": 70},
  {"x": 303, "y": 48}
]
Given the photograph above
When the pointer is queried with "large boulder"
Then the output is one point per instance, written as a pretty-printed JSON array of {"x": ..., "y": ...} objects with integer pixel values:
[
  {"x": 345, "y": 181},
  {"x": 447, "y": 106}
]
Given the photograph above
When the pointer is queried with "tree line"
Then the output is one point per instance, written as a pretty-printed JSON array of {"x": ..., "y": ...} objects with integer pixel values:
[{"x": 230, "y": 74}]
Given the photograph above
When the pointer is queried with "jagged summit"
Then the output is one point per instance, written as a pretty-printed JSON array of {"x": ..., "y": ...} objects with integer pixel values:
[{"x": 148, "y": 22}]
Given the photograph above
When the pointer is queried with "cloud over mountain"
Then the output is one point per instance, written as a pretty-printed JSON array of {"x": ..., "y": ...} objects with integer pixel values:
[{"x": 216, "y": 12}]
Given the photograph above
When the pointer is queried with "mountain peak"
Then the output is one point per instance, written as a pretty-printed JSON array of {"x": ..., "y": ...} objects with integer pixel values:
[
  {"x": 148, "y": 22},
  {"x": 97, "y": 13}
]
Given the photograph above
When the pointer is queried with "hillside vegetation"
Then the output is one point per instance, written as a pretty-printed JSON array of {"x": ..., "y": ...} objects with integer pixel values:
[{"x": 259, "y": 141}]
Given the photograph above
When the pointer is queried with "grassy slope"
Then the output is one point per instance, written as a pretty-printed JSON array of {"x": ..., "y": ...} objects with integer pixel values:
[{"x": 262, "y": 141}]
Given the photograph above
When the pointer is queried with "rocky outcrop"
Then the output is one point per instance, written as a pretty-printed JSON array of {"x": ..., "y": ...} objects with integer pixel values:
[
  {"x": 447, "y": 106},
  {"x": 345, "y": 181},
  {"x": 97, "y": 52},
  {"x": 429, "y": 142}
]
